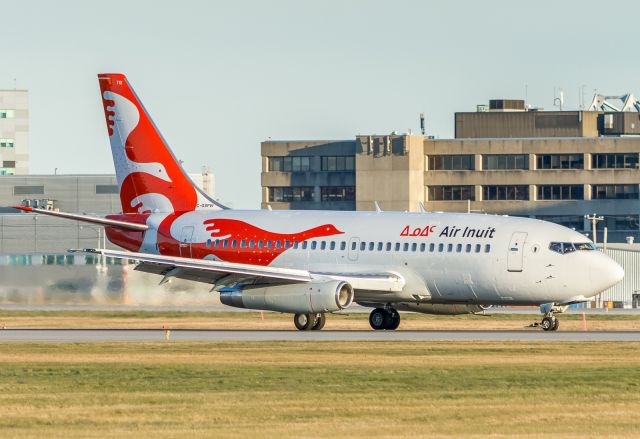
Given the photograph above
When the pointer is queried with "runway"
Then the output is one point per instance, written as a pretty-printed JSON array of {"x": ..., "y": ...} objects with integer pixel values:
[{"x": 155, "y": 335}]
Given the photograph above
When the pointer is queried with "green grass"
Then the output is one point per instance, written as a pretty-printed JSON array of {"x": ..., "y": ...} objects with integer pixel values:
[{"x": 341, "y": 389}]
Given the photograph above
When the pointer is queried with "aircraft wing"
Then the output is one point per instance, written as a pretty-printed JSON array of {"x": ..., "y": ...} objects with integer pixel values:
[{"x": 223, "y": 274}]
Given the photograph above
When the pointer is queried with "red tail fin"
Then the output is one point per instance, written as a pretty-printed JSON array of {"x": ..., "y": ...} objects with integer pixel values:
[{"x": 149, "y": 176}]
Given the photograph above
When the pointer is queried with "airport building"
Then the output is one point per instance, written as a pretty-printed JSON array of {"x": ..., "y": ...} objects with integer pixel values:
[
  {"x": 14, "y": 132},
  {"x": 553, "y": 165},
  {"x": 26, "y": 233}
]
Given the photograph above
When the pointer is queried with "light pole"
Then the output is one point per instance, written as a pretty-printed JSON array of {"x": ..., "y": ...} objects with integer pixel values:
[{"x": 594, "y": 219}]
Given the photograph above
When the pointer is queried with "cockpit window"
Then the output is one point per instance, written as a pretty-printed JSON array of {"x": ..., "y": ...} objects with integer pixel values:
[{"x": 569, "y": 247}]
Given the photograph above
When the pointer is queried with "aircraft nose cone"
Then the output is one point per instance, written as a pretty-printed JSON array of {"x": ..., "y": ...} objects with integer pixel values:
[{"x": 606, "y": 273}]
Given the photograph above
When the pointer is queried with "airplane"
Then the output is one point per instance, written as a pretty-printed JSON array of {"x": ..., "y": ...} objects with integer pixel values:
[{"x": 311, "y": 263}]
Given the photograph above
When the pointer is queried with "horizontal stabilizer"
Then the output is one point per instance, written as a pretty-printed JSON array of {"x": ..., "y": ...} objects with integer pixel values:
[{"x": 87, "y": 219}]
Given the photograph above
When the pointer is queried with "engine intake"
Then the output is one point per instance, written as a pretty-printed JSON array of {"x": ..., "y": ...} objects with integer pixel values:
[{"x": 302, "y": 298}]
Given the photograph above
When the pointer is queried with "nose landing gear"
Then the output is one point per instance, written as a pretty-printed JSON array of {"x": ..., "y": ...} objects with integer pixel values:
[
  {"x": 550, "y": 322},
  {"x": 384, "y": 319}
]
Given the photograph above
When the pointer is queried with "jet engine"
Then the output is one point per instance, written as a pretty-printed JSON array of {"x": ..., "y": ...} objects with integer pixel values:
[
  {"x": 301, "y": 298},
  {"x": 441, "y": 308}
]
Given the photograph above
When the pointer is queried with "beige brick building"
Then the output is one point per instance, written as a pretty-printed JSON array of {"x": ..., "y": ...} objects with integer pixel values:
[
  {"x": 559, "y": 167},
  {"x": 14, "y": 132}
]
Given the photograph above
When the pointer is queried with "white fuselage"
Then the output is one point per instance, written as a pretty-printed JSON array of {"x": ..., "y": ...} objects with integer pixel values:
[{"x": 443, "y": 257}]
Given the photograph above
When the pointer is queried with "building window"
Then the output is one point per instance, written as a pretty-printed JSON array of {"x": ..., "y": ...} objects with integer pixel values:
[
  {"x": 614, "y": 191},
  {"x": 338, "y": 163},
  {"x": 615, "y": 161},
  {"x": 561, "y": 192},
  {"x": 627, "y": 223},
  {"x": 514, "y": 192},
  {"x": 451, "y": 163},
  {"x": 289, "y": 194},
  {"x": 491, "y": 162},
  {"x": 28, "y": 190},
  {"x": 6, "y": 143},
  {"x": 338, "y": 193},
  {"x": 451, "y": 193},
  {"x": 574, "y": 222},
  {"x": 6, "y": 114},
  {"x": 107, "y": 189},
  {"x": 289, "y": 164},
  {"x": 560, "y": 161}
]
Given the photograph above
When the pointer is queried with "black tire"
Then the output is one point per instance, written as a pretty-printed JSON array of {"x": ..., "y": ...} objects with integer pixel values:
[
  {"x": 395, "y": 320},
  {"x": 304, "y": 322},
  {"x": 556, "y": 324},
  {"x": 319, "y": 322},
  {"x": 378, "y": 319},
  {"x": 547, "y": 324}
]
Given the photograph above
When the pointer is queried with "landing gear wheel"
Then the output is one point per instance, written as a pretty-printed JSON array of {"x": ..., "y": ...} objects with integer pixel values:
[
  {"x": 304, "y": 322},
  {"x": 395, "y": 319},
  {"x": 378, "y": 319},
  {"x": 556, "y": 324},
  {"x": 320, "y": 320},
  {"x": 548, "y": 323}
]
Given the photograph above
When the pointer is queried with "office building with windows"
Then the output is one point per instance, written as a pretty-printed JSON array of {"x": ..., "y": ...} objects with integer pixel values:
[
  {"x": 14, "y": 132},
  {"x": 557, "y": 166}
]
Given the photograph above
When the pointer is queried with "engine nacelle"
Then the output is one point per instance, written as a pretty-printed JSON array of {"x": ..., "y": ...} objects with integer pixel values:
[
  {"x": 441, "y": 308},
  {"x": 302, "y": 298}
]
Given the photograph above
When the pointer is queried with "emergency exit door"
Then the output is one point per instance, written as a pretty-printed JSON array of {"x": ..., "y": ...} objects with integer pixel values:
[{"x": 515, "y": 256}]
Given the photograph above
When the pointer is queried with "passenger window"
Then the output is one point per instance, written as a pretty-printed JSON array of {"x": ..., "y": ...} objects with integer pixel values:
[
  {"x": 423, "y": 247},
  {"x": 332, "y": 246},
  {"x": 268, "y": 244},
  {"x": 234, "y": 243},
  {"x": 295, "y": 245},
  {"x": 278, "y": 244},
  {"x": 380, "y": 246},
  {"x": 353, "y": 245},
  {"x": 397, "y": 246},
  {"x": 343, "y": 245},
  {"x": 304, "y": 245},
  {"x": 478, "y": 247},
  {"x": 251, "y": 243},
  {"x": 363, "y": 246},
  {"x": 260, "y": 244},
  {"x": 243, "y": 243},
  {"x": 449, "y": 248},
  {"x": 314, "y": 244},
  {"x": 323, "y": 245},
  {"x": 432, "y": 247},
  {"x": 405, "y": 247},
  {"x": 371, "y": 246},
  {"x": 487, "y": 248},
  {"x": 414, "y": 247},
  {"x": 468, "y": 248},
  {"x": 216, "y": 243},
  {"x": 388, "y": 247},
  {"x": 286, "y": 244},
  {"x": 440, "y": 247},
  {"x": 459, "y": 248},
  {"x": 208, "y": 243},
  {"x": 225, "y": 243}
]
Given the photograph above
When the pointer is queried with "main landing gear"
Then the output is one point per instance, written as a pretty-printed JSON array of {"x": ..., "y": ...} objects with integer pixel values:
[
  {"x": 306, "y": 322},
  {"x": 384, "y": 318}
]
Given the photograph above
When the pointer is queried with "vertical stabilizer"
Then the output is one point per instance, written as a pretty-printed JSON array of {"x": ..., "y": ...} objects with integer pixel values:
[{"x": 149, "y": 177}]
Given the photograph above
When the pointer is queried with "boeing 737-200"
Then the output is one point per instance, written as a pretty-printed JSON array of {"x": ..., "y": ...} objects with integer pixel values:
[{"x": 310, "y": 263}]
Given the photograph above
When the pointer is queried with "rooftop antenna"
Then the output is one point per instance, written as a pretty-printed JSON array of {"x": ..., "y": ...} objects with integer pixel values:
[
  {"x": 526, "y": 94},
  {"x": 558, "y": 101},
  {"x": 422, "y": 123}
]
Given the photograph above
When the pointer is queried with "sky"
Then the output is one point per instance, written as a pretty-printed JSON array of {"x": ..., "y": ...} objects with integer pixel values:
[{"x": 220, "y": 77}]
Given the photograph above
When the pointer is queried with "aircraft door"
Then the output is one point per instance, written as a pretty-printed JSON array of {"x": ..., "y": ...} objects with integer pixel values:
[
  {"x": 354, "y": 248},
  {"x": 516, "y": 251},
  {"x": 185, "y": 241}
]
